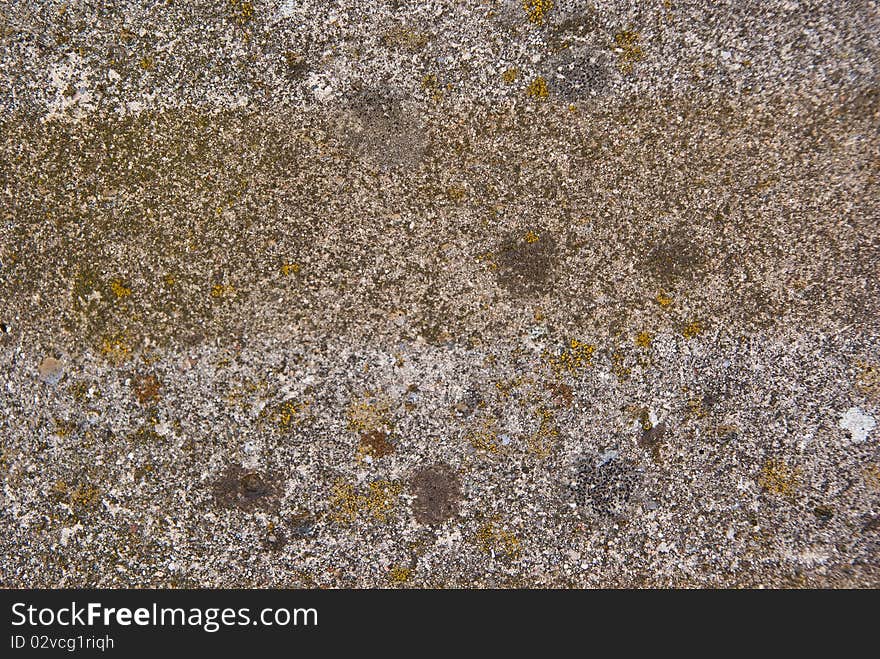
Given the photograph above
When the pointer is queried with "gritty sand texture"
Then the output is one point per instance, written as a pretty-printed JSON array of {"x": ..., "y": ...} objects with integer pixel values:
[{"x": 439, "y": 294}]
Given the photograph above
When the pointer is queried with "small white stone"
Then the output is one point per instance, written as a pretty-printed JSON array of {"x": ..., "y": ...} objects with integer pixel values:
[{"x": 857, "y": 423}]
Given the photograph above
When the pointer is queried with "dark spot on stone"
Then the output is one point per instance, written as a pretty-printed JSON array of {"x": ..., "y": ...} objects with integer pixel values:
[
  {"x": 824, "y": 513},
  {"x": 563, "y": 395},
  {"x": 376, "y": 444},
  {"x": 302, "y": 525},
  {"x": 242, "y": 489},
  {"x": 674, "y": 259},
  {"x": 146, "y": 388},
  {"x": 652, "y": 438},
  {"x": 296, "y": 65},
  {"x": 381, "y": 129},
  {"x": 606, "y": 484},
  {"x": 437, "y": 491},
  {"x": 527, "y": 261},
  {"x": 873, "y": 524},
  {"x": 580, "y": 73},
  {"x": 275, "y": 540}
]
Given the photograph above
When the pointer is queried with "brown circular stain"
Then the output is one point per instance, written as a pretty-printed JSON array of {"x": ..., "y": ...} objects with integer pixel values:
[{"x": 437, "y": 491}]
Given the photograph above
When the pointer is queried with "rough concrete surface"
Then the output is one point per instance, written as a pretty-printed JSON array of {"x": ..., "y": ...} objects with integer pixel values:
[{"x": 440, "y": 293}]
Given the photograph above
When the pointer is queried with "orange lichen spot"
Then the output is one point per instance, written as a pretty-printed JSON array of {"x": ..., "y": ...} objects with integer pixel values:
[
  {"x": 576, "y": 357},
  {"x": 146, "y": 388},
  {"x": 405, "y": 37},
  {"x": 868, "y": 379},
  {"x": 64, "y": 428},
  {"x": 456, "y": 193},
  {"x": 147, "y": 63},
  {"x": 695, "y": 409},
  {"x": 116, "y": 347},
  {"x": 488, "y": 258},
  {"x": 692, "y": 329},
  {"x": 120, "y": 290},
  {"x": 777, "y": 477},
  {"x": 537, "y": 10},
  {"x": 169, "y": 280},
  {"x": 497, "y": 541},
  {"x": 347, "y": 504},
  {"x": 367, "y": 416},
  {"x": 288, "y": 269},
  {"x": 399, "y": 575},
  {"x": 628, "y": 49},
  {"x": 618, "y": 366},
  {"x": 510, "y": 75},
  {"x": 540, "y": 444},
  {"x": 241, "y": 11},
  {"x": 643, "y": 339},
  {"x": 85, "y": 496},
  {"x": 287, "y": 414},
  {"x": 222, "y": 290},
  {"x": 532, "y": 237},
  {"x": 663, "y": 300},
  {"x": 538, "y": 88},
  {"x": 484, "y": 438}
]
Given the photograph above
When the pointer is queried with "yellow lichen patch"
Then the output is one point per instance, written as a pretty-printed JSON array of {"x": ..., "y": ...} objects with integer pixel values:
[
  {"x": 116, "y": 347},
  {"x": 504, "y": 387},
  {"x": 456, "y": 193},
  {"x": 484, "y": 438},
  {"x": 222, "y": 290},
  {"x": 85, "y": 496},
  {"x": 663, "y": 300},
  {"x": 381, "y": 498},
  {"x": 241, "y": 11},
  {"x": 169, "y": 280},
  {"x": 868, "y": 379},
  {"x": 692, "y": 329},
  {"x": 628, "y": 49},
  {"x": 147, "y": 63},
  {"x": 538, "y": 88},
  {"x": 431, "y": 83},
  {"x": 510, "y": 75},
  {"x": 399, "y": 575},
  {"x": 532, "y": 237},
  {"x": 120, "y": 290},
  {"x": 64, "y": 428},
  {"x": 488, "y": 259},
  {"x": 287, "y": 414},
  {"x": 777, "y": 477},
  {"x": 618, "y": 366},
  {"x": 541, "y": 443},
  {"x": 290, "y": 269},
  {"x": 497, "y": 541},
  {"x": 872, "y": 476},
  {"x": 346, "y": 504},
  {"x": 575, "y": 358},
  {"x": 537, "y": 10},
  {"x": 404, "y": 37},
  {"x": 695, "y": 409},
  {"x": 366, "y": 416},
  {"x": 644, "y": 339}
]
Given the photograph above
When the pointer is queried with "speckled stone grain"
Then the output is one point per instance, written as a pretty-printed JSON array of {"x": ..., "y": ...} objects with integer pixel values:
[{"x": 504, "y": 293}]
